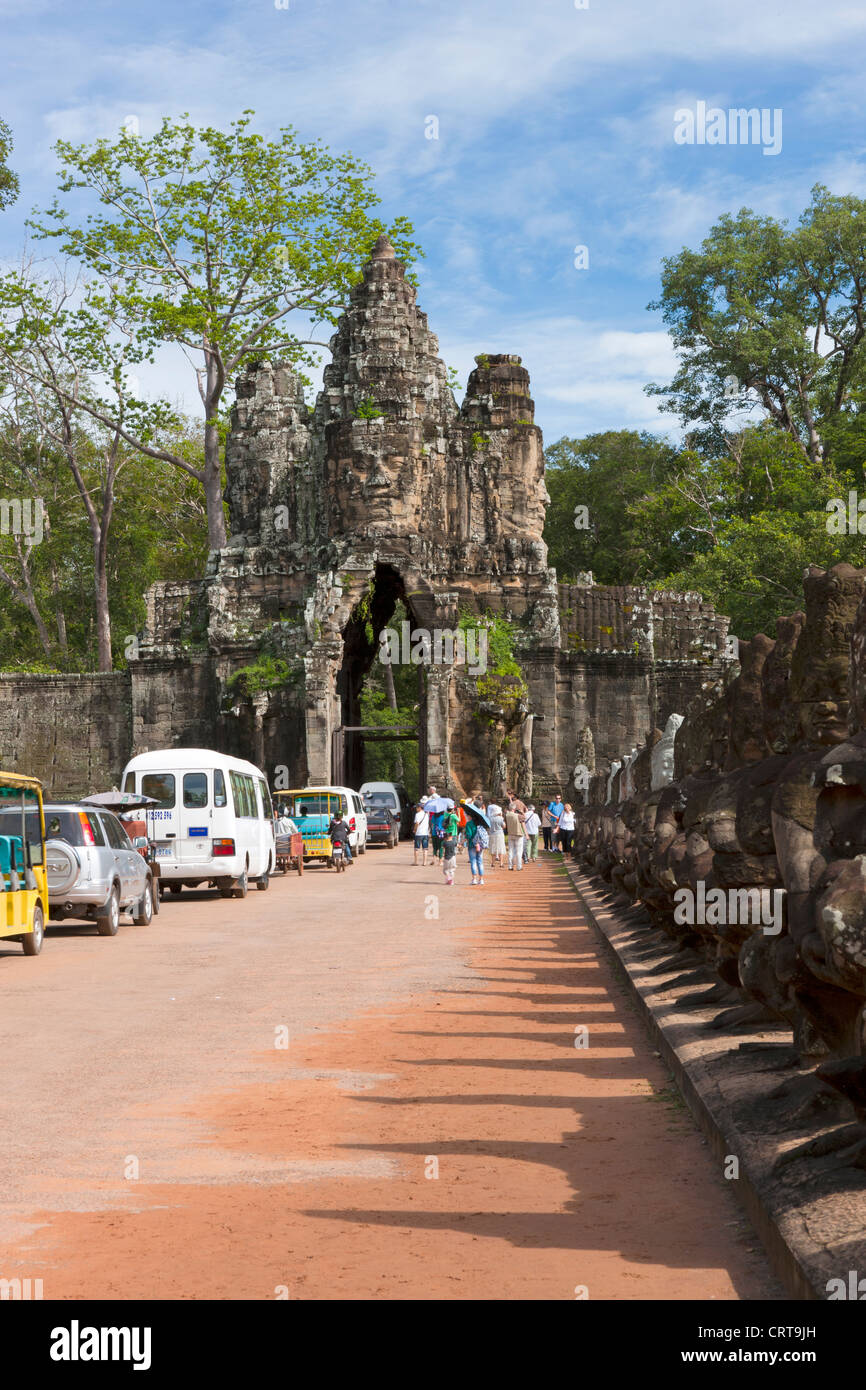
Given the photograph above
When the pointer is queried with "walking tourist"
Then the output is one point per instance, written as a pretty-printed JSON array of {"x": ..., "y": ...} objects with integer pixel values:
[
  {"x": 436, "y": 834},
  {"x": 421, "y": 831},
  {"x": 556, "y": 810},
  {"x": 530, "y": 827},
  {"x": 547, "y": 828},
  {"x": 566, "y": 828},
  {"x": 450, "y": 827},
  {"x": 477, "y": 840},
  {"x": 514, "y": 830},
  {"x": 497, "y": 835}
]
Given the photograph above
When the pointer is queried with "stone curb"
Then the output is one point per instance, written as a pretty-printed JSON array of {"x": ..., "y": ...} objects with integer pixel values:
[{"x": 795, "y": 1258}]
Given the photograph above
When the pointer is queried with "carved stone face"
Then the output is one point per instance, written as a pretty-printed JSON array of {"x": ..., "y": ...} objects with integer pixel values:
[{"x": 819, "y": 667}]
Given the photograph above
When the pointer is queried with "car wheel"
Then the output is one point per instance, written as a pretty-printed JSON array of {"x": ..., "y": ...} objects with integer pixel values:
[
  {"x": 362, "y": 848},
  {"x": 32, "y": 940},
  {"x": 240, "y": 888},
  {"x": 108, "y": 917},
  {"x": 143, "y": 912},
  {"x": 262, "y": 882}
]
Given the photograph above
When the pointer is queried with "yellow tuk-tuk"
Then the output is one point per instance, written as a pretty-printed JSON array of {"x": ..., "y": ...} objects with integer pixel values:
[
  {"x": 23, "y": 882},
  {"x": 311, "y": 808}
]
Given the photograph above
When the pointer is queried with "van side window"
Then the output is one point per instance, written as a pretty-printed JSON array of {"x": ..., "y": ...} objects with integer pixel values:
[
  {"x": 243, "y": 794},
  {"x": 219, "y": 789},
  {"x": 195, "y": 790},
  {"x": 267, "y": 808},
  {"x": 129, "y": 782}
]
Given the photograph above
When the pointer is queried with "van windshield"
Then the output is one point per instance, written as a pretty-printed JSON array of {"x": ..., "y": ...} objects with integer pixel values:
[{"x": 381, "y": 799}]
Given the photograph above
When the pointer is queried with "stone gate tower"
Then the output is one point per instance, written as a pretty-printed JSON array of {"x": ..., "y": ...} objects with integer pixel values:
[{"x": 388, "y": 490}]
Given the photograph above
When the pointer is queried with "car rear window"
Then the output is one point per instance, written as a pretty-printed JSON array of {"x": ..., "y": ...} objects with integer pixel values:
[
  {"x": 61, "y": 825},
  {"x": 381, "y": 799}
]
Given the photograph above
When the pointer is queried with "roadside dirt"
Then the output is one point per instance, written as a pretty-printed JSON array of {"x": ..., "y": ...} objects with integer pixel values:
[{"x": 453, "y": 1145}]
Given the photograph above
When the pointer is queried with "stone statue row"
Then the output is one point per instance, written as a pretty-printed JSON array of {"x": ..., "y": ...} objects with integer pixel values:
[{"x": 741, "y": 828}]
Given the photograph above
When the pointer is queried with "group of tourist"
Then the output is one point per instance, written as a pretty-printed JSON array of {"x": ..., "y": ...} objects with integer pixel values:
[{"x": 510, "y": 835}]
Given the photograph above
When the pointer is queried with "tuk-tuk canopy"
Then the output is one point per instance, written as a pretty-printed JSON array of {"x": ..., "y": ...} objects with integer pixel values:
[{"x": 14, "y": 785}]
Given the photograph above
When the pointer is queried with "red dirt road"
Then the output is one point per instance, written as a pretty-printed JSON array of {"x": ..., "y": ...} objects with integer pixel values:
[{"x": 431, "y": 1131}]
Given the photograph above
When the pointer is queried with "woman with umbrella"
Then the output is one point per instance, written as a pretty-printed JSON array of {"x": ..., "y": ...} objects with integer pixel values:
[{"x": 477, "y": 836}]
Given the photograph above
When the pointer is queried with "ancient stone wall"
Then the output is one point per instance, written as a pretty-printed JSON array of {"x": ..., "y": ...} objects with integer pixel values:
[{"x": 73, "y": 732}]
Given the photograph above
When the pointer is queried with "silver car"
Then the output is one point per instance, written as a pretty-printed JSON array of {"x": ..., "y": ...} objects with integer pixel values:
[{"x": 94, "y": 871}]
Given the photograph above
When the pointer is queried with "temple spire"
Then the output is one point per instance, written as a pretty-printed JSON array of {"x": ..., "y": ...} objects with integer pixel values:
[{"x": 383, "y": 250}]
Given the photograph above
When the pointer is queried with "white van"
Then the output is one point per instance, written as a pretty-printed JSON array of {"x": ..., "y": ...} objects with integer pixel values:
[
  {"x": 393, "y": 795},
  {"x": 213, "y": 821}
]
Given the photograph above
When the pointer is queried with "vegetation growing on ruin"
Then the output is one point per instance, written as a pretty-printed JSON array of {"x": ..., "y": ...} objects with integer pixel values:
[
  {"x": 503, "y": 684},
  {"x": 478, "y": 442},
  {"x": 268, "y": 672},
  {"x": 368, "y": 410}
]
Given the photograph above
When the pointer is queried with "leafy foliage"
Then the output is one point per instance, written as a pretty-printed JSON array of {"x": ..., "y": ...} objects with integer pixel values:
[
  {"x": 503, "y": 684},
  {"x": 221, "y": 242},
  {"x": 267, "y": 673},
  {"x": 738, "y": 529},
  {"x": 770, "y": 318},
  {"x": 8, "y": 180}
]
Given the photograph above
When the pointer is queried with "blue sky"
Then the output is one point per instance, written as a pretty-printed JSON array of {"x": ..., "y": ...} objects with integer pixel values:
[{"x": 556, "y": 129}]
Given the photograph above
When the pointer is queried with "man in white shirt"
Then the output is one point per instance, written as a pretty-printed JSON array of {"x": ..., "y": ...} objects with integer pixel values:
[
  {"x": 531, "y": 826},
  {"x": 421, "y": 831}
]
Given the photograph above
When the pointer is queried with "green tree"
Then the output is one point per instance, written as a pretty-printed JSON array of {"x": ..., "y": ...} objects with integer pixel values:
[
  {"x": 764, "y": 317},
  {"x": 225, "y": 244},
  {"x": 74, "y": 586},
  {"x": 8, "y": 180},
  {"x": 747, "y": 524},
  {"x": 604, "y": 473}
]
